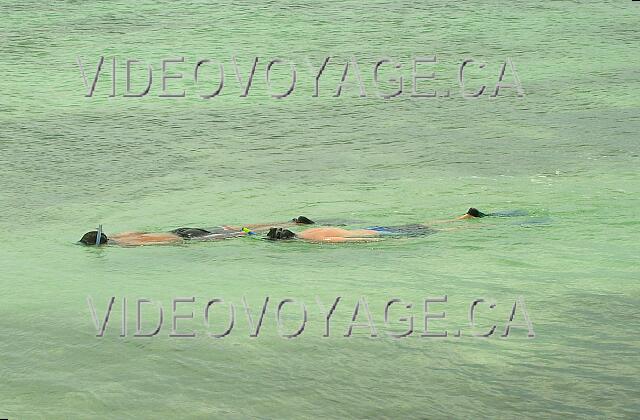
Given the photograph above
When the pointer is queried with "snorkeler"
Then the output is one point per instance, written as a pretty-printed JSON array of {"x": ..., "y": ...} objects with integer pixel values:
[
  {"x": 322, "y": 234},
  {"x": 97, "y": 237},
  {"x": 369, "y": 234}
]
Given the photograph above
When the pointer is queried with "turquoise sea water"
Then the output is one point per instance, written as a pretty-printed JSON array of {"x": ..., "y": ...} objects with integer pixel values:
[{"x": 567, "y": 152}]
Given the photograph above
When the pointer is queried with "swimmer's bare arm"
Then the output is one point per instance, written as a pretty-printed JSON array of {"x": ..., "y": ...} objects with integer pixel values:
[
  {"x": 435, "y": 222},
  {"x": 340, "y": 239},
  {"x": 261, "y": 226},
  {"x": 140, "y": 238}
]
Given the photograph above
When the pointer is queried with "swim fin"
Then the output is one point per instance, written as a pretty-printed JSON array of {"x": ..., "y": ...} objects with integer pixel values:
[
  {"x": 302, "y": 220},
  {"x": 276, "y": 234}
]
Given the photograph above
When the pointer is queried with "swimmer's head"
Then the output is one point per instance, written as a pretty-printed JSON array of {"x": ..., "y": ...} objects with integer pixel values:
[
  {"x": 91, "y": 238},
  {"x": 302, "y": 220},
  {"x": 473, "y": 212},
  {"x": 276, "y": 234}
]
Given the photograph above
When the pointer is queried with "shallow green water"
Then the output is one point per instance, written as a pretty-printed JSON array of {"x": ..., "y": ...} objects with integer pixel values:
[{"x": 567, "y": 152}]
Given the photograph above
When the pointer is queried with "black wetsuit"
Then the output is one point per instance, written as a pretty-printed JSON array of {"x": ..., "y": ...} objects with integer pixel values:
[
  {"x": 404, "y": 230},
  {"x": 203, "y": 234}
]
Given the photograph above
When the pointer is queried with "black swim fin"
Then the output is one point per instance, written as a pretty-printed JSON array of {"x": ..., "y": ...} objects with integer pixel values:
[
  {"x": 276, "y": 234},
  {"x": 302, "y": 220}
]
